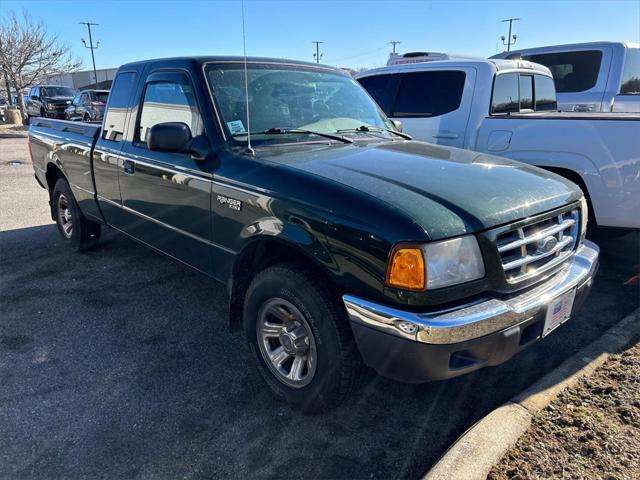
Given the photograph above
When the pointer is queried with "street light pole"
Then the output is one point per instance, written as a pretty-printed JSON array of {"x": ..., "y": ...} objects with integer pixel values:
[
  {"x": 92, "y": 48},
  {"x": 509, "y": 38},
  {"x": 317, "y": 55}
]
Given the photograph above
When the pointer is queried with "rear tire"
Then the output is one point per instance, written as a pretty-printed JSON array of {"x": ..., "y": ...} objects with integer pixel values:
[
  {"x": 300, "y": 339},
  {"x": 80, "y": 233}
]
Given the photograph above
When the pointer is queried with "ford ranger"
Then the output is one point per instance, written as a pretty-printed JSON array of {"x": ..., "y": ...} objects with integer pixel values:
[{"x": 341, "y": 242}]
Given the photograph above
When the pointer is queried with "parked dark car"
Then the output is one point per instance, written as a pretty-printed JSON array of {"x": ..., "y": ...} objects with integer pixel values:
[
  {"x": 338, "y": 238},
  {"x": 87, "y": 106},
  {"x": 49, "y": 101}
]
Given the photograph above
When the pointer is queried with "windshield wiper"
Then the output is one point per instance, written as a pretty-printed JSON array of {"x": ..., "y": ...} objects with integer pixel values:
[
  {"x": 366, "y": 128},
  {"x": 283, "y": 131}
]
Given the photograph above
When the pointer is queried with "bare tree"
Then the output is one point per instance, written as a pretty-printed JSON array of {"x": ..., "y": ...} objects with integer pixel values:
[{"x": 28, "y": 53}]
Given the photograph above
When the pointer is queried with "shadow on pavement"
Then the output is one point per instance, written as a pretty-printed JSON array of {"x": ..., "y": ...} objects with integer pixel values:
[{"x": 117, "y": 363}]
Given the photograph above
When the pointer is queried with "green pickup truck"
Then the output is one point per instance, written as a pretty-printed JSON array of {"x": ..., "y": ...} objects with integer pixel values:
[{"x": 341, "y": 241}]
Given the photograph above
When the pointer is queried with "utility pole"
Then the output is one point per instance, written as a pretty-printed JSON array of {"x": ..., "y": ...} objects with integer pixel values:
[
  {"x": 393, "y": 44},
  {"x": 509, "y": 37},
  {"x": 317, "y": 55},
  {"x": 91, "y": 47}
]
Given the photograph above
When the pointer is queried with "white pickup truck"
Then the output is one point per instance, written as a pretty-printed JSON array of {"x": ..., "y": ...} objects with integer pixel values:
[
  {"x": 509, "y": 108},
  {"x": 590, "y": 77}
]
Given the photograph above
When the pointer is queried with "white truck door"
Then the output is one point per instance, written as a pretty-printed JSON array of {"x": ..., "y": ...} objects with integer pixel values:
[{"x": 434, "y": 104}]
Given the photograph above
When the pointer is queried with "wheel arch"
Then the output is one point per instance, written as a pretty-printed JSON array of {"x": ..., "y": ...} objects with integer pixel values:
[
  {"x": 260, "y": 253},
  {"x": 576, "y": 178}
]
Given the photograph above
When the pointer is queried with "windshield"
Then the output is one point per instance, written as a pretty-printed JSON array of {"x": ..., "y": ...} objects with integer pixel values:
[
  {"x": 291, "y": 97},
  {"x": 101, "y": 96},
  {"x": 57, "y": 92}
]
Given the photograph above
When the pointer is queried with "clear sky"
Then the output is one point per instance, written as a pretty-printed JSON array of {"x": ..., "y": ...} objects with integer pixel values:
[{"x": 356, "y": 33}]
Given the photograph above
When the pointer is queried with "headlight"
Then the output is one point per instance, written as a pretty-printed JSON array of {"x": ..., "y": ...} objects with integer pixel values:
[
  {"x": 584, "y": 217},
  {"x": 50, "y": 106},
  {"x": 454, "y": 261},
  {"x": 436, "y": 265}
]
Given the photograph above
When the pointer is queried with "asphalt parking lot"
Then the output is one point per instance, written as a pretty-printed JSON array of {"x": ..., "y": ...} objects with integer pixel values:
[{"x": 117, "y": 363}]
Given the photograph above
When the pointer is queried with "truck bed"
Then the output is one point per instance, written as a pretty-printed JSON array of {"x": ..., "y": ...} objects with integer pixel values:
[{"x": 66, "y": 147}]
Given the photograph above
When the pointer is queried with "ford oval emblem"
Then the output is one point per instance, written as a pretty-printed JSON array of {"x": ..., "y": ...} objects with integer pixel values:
[{"x": 547, "y": 244}]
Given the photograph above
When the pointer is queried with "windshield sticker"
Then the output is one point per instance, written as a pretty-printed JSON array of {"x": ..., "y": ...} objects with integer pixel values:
[{"x": 236, "y": 127}]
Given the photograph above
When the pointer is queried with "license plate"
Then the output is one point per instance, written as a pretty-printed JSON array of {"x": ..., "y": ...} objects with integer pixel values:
[{"x": 559, "y": 311}]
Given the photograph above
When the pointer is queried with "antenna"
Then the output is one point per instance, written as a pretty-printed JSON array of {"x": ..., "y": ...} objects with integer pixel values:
[{"x": 246, "y": 83}]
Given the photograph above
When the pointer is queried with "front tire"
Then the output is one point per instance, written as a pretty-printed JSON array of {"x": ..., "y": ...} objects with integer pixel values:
[
  {"x": 80, "y": 233},
  {"x": 299, "y": 337}
]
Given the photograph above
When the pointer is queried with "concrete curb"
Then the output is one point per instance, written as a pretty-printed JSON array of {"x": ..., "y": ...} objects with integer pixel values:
[{"x": 477, "y": 450}]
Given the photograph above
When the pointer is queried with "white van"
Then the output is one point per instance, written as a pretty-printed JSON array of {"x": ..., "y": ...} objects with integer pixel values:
[{"x": 590, "y": 77}]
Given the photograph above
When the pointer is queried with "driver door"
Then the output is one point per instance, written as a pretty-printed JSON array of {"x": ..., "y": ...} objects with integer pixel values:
[{"x": 166, "y": 197}]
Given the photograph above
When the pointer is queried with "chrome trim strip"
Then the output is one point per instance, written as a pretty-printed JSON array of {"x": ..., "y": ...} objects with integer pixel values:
[
  {"x": 538, "y": 236},
  {"x": 82, "y": 189},
  {"x": 482, "y": 318},
  {"x": 170, "y": 227},
  {"x": 533, "y": 258}
]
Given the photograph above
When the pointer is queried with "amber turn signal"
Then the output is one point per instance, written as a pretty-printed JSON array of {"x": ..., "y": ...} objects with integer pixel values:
[{"x": 406, "y": 269}]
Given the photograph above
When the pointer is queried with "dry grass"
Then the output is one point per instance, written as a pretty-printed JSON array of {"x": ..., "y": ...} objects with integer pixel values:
[{"x": 592, "y": 431}]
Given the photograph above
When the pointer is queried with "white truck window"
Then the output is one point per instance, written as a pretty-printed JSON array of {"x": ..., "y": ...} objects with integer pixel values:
[
  {"x": 506, "y": 96},
  {"x": 572, "y": 71},
  {"x": 630, "y": 84},
  {"x": 526, "y": 92},
  {"x": 545, "y": 94},
  {"x": 377, "y": 86},
  {"x": 429, "y": 94}
]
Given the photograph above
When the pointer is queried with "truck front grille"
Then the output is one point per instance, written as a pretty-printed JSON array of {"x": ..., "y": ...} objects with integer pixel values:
[{"x": 537, "y": 247}]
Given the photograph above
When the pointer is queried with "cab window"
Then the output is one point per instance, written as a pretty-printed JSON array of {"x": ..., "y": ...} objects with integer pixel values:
[
  {"x": 168, "y": 101},
  {"x": 506, "y": 94},
  {"x": 513, "y": 92},
  {"x": 429, "y": 94},
  {"x": 377, "y": 87},
  {"x": 572, "y": 71},
  {"x": 116, "y": 113},
  {"x": 545, "y": 94},
  {"x": 630, "y": 84}
]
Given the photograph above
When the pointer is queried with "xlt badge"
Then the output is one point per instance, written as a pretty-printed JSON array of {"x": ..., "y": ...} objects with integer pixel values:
[{"x": 232, "y": 203}]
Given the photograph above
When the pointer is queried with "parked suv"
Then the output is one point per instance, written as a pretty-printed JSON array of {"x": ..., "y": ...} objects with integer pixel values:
[
  {"x": 48, "y": 101},
  {"x": 87, "y": 106}
]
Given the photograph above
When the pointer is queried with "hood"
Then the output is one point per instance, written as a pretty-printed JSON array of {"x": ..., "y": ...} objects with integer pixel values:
[{"x": 447, "y": 191}]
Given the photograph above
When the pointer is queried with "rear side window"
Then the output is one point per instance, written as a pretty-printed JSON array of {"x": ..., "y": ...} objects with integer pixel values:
[
  {"x": 169, "y": 101},
  {"x": 572, "y": 71},
  {"x": 429, "y": 94},
  {"x": 630, "y": 84},
  {"x": 377, "y": 88},
  {"x": 545, "y": 93},
  {"x": 506, "y": 96},
  {"x": 114, "y": 119}
]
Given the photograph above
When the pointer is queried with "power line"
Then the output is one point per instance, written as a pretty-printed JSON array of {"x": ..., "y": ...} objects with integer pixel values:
[
  {"x": 317, "y": 55},
  {"x": 509, "y": 41},
  {"x": 91, "y": 47}
]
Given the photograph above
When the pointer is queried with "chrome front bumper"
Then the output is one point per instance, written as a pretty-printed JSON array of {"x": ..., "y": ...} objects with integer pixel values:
[{"x": 480, "y": 318}]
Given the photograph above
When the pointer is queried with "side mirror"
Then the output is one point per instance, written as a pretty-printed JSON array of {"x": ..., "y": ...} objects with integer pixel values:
[
  {"x": 169, "y": 137},
  {"x": 397, "y": 124},
  {"x": 176, "y": 137}
]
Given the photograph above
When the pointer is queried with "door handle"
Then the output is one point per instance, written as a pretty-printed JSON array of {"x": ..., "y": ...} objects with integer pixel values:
[
  {"x": 129, "y": 167},
  {"x": 446, "y": 135}
]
